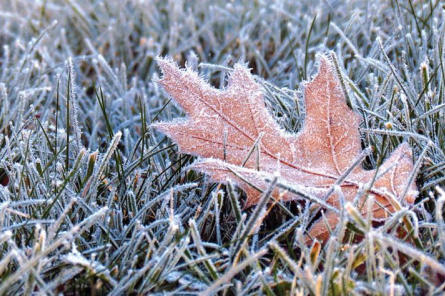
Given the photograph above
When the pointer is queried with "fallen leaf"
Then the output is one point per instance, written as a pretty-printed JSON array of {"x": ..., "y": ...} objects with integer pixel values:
[{"x": 223, "y": 126}]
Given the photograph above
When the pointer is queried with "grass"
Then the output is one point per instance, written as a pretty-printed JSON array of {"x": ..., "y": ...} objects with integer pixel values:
[{"x": 94, "y": 201}]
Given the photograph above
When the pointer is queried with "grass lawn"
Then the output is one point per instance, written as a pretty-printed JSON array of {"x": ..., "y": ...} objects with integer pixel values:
[{"x": 94, "y": 200}]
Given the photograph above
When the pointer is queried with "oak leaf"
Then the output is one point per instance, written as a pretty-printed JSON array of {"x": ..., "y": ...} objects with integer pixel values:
[{"x": 223, "y": 126}]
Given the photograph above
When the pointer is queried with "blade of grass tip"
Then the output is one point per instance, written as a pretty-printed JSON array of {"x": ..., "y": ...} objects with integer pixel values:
[
  {"x": 217, "y": 210},
  {"x": 340, "y": 77},
  {"x": 421, "y": 278},
  {"x": 442, "y": 68},
  {"x": 73, "y": 172},
  {"x": 356, "y": 216},
  {"x": 393, "y": 221},
  {"x": 236, "y": 234},
  {"x": 394, "y": 264},
  {"x": 393, "y": 69},
  {"x": 111, "y": 149},
  {"x": 345, "y": 174},
  {"x": 183, "y": 245},
  {"x": 25, "y": 163},
  {"x": 346, "y": 39},
  {"x": 46, "y": 136},
  {"x": 414, "y": 223},
  {"x": 198, "y": 243},
  {"x": 306, "y": 48},
  {"x": 74, "y": 107},
  {"x": 175, "y": 174},
  {"x": 369, "y": 243},
  {"x": 134, "y": 165},
  {"x": 150, "y": 204},
  {"x": 415, "y": 170},
  {"x": 266, "y": 85},
  {"x": 300, "y": 192},
  {"x": 35, "y": 42},
  {"x": 408, "y": 250},
  {"x": 292, "y": 265},
  {"x": 373, "y": 63},
  {"x": 426, "y": 84},
  {"x": 414, "y": 136},
  {"x": 101, "y": 100},
  {"x": 52, "y": 160},
  {"x": 160, "y": 110},
  {"x": 255, "y": 145},
  {"x": 331, "y": 253},
  {"x": 284, "y": 230},
  {"x": 143, "y": 126},
  {"x": 57, "y": 127},
  {"x": 234, "y": 202},
  {"x": 293, "y": 51},
  {"x": 433, "y": 111},
  {"x": 252, "y": 223},
  {"x": 119, "y": 163},
  {"x": 432, "y": 9},
  {"x": 407, "y": 222},
  {"x": 439, "y": 218},
  {"x": 54, "y": 229},
  {"x": 68, "y": 125},
  {"x": 419, "y": 31},
  {"x": 234, "y": 270},
  {"x": 125, "y": 253}
]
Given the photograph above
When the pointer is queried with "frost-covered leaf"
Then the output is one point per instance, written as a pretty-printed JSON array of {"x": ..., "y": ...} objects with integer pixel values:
[{"x": 223, "y": 126}]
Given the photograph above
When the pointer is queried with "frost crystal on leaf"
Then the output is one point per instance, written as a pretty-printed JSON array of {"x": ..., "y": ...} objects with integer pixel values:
[{"x": 223, "y": 126}]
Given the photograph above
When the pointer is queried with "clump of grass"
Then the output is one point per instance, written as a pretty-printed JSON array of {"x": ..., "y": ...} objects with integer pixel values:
[{"x": 94, "y": 201}]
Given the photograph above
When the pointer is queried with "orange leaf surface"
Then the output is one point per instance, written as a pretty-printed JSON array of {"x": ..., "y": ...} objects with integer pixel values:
[{"x": 223, "y": 126}]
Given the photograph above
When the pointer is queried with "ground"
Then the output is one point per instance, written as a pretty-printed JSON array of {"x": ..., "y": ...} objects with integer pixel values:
[{"x": 94, "y": 200}]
